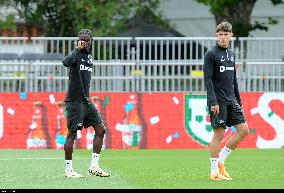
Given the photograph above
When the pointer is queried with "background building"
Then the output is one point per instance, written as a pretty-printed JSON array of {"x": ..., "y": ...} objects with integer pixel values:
[{"x": 194, "y": 19}]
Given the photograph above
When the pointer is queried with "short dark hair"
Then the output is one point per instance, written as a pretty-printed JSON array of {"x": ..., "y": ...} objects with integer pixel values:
[
  {"x": 224, "y": 26},
  {"x": 85, "y": 34}
]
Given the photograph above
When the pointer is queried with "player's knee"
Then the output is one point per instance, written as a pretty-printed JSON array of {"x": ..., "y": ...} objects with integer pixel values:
[
  {"x": 219, "y": 134},
  {"x": 220, "y": 137},
  {"x": 71, "y": 136},
  {"x": 68, "y": 148},
  {"x": 244, "y": 132},
  {"x": 100, "y": 130}
]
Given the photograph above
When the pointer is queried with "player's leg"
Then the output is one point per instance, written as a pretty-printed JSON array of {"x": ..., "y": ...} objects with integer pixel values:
[
  {"x": 68, "y": 148},
  {"x": 98, "y": 140},
  {"x": 74, "y": 123},
  {"x": 97, "y": 146},
  {"x": 218, "y": 125},
  {"x": 236, "y": 118},
  {"x": 94, "y": 119},
  {"x": 214, "y": 154},
  {"x": 242, "y": 132}
]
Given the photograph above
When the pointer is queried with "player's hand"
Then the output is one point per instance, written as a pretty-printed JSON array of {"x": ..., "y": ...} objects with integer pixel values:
[
  {"x": 81, "y": 44},
  {"x": 215, "y": 109}
]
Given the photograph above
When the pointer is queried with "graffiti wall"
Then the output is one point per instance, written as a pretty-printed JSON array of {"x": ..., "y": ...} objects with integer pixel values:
[{"x": 136, "y": 120}]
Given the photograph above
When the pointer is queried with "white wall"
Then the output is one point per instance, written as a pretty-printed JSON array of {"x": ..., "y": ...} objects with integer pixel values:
[
  {"x": 264, "y": 9},
  {"x": 194, "y": 19}
]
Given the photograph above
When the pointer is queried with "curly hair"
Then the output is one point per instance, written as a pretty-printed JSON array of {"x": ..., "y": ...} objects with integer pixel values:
[{"x": 85, "y": 34}]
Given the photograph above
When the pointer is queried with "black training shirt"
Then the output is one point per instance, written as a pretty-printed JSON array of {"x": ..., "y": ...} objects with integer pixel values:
[
  {"x": 80, "y": 64},
  {"x": 220, "y": 76}
]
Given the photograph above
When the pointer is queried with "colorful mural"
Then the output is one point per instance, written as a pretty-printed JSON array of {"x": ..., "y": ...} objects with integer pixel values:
[{"x": 137, "y": 120}]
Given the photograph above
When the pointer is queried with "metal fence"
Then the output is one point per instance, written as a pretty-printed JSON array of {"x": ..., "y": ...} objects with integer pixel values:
[{"x": 139, "y": 64}]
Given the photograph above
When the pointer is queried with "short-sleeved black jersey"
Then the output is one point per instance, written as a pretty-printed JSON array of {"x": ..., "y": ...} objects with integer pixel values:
[
  {"x": 220, "y": 76},
  {"x": 81, "y": 65}
]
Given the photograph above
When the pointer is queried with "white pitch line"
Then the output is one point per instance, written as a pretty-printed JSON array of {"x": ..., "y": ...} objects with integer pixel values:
[
  {"x": 53, "y": 158},
  {"x": 126, "y": 158},
  {"x": 29, "y": 158}
]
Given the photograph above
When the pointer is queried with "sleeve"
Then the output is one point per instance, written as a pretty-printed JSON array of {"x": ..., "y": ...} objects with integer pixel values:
[
  {"x": 236, "y": 89},
  {"x": 208, "y": 74},
  {"x": 70, "y": 59}
]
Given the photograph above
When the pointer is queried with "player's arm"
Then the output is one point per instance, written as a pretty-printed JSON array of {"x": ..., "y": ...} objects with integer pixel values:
[
  {"x": 208, "y": 74},
  {"x": 70, "y": 59},
  {"x": 236, "y": 89}
]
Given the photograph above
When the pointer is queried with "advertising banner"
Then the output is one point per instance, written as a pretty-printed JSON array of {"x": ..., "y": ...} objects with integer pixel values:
[{"x": 137, "y": 120}]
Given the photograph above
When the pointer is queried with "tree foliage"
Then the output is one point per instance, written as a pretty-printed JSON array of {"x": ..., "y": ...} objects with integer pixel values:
[
  {"x": 67, "y": 17},
  {"x": 238, "y": 13},
  {"x": 8, "y": 22}
]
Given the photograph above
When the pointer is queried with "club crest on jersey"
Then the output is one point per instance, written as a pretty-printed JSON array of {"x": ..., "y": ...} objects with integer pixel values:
[
  {"x": 228, "y": 59},
  {"x": 83, "y": 67}
]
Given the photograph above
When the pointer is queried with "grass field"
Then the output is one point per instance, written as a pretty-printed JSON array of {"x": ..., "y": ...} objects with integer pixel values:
[{"x": 141, "y": 169}]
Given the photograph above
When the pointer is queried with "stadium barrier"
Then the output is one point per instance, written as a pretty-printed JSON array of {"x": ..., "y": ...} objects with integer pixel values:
[
  {"x": 137, "y": 120},
  {"x": 127, "y": 76},
  {"x": 139, "y": 64}
]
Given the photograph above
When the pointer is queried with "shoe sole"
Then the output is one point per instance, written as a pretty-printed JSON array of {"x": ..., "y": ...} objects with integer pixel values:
[
  {"x": 230, "y": 178},
  {"x": 99, "y": 175},
  {"x": 220, "y": 179},
  {"x": 73, "y": 176}
]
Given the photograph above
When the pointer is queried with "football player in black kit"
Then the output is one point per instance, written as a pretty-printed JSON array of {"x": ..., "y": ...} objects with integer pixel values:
[
  {"x": 80, "y": 110},
  {"x": 223, "y": 100}
]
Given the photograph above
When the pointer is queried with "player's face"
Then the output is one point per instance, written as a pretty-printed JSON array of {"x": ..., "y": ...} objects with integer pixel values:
[
  {"x": 224, "y": 38},
  {"x": 84, "y": 41},
  {"x": 84, "y": 44}
]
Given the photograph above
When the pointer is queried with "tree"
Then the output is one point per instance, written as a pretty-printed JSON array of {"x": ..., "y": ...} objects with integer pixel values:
[
  {"x": 66, "y": 18},
  {"x": 238, "y": 13},
  {"x": 7, "y": 23}
]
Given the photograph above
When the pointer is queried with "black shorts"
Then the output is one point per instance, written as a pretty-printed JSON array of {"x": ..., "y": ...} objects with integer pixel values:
[
  {"x": 80, "y": 114},
  {"x": 229, "y": 115}
]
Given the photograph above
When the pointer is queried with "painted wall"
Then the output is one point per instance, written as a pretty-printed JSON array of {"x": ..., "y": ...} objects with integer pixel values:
[{"x": 135, "y": 120}]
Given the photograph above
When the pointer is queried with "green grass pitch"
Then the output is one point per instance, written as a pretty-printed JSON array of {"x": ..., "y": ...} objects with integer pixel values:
[{"x": 141, "y": 169}]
